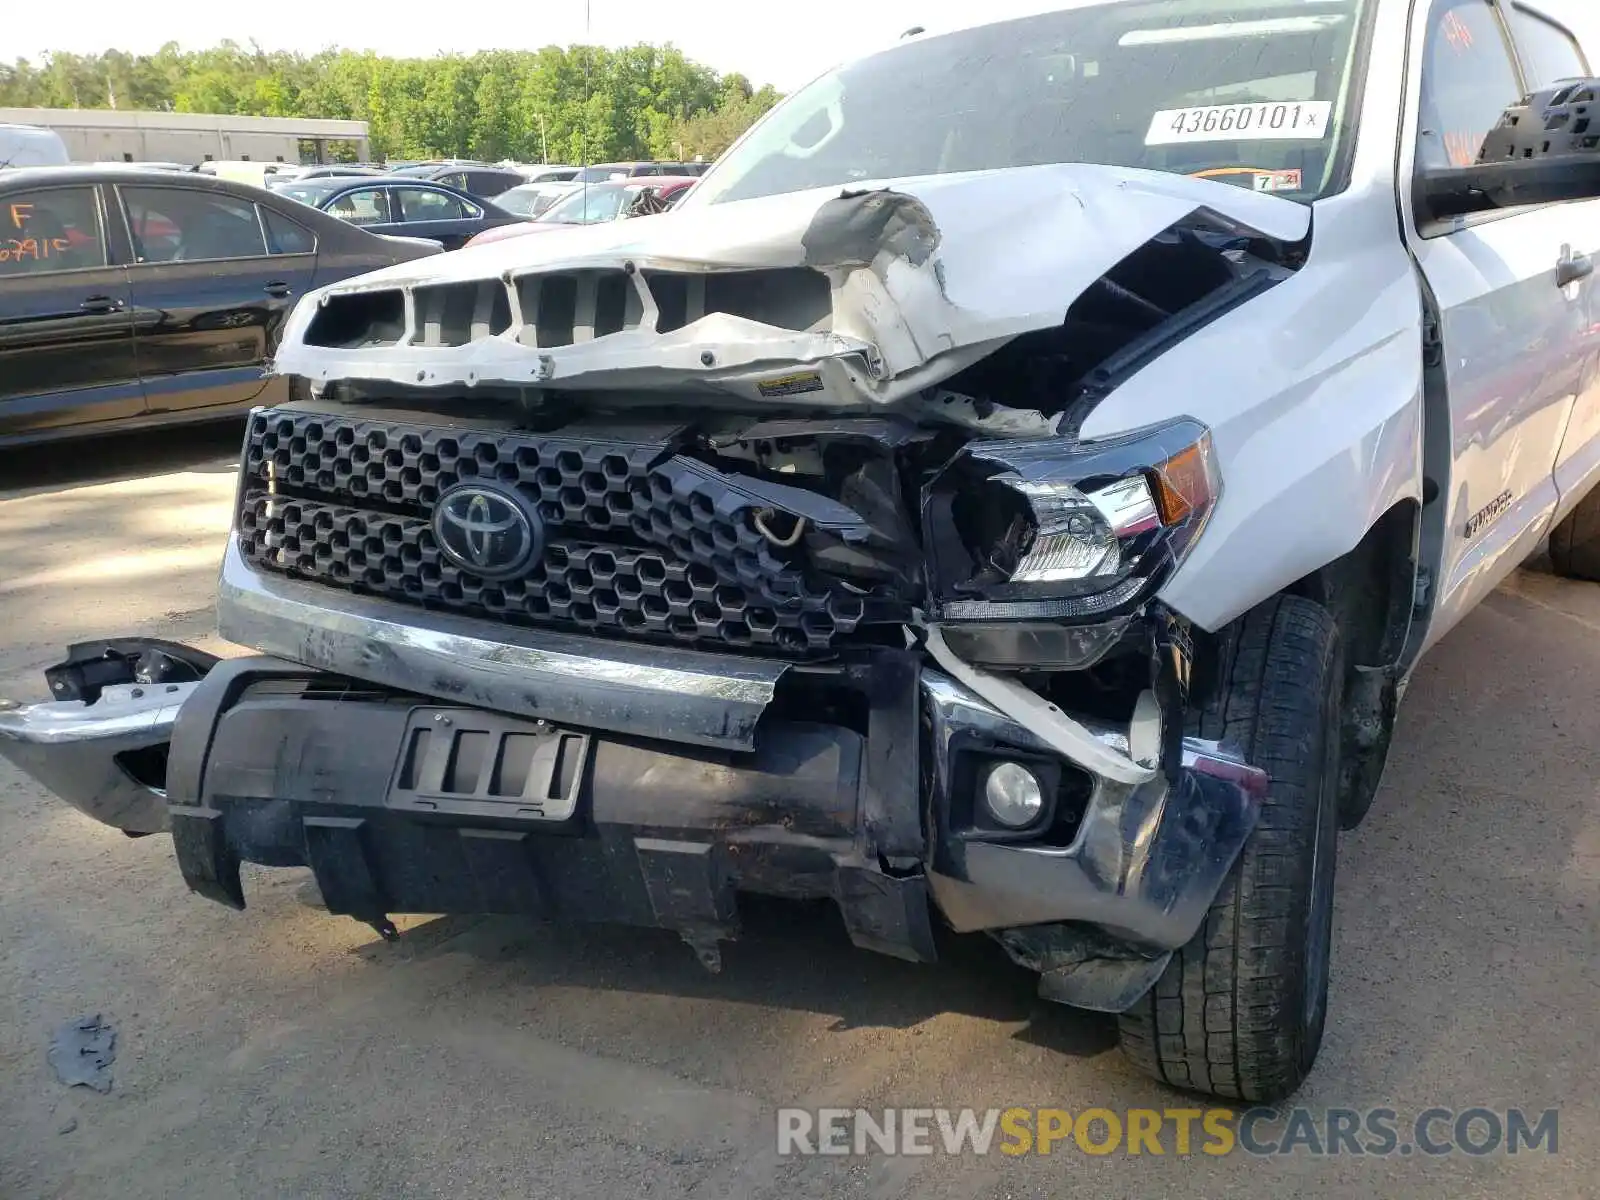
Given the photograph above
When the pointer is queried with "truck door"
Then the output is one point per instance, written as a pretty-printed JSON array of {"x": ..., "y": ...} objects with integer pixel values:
[
  {"x": 1550, "y": 53},
  {"x": 1515, "y": 297}
]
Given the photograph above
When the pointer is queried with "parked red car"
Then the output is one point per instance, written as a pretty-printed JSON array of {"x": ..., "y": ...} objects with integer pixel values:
[{"x": 595, "y": 203}]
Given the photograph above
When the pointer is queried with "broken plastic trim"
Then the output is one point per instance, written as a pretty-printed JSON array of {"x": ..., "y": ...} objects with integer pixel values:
[
  {"x": 1033, "y": 712},
  {"x": 92, "y": 666}
]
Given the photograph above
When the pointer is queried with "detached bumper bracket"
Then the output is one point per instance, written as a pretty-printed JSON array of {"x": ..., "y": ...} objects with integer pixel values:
[
  {"x": 209, "y": 865},
  {"x": 688, "y": 884},
  {"x": 91, "y": 667},
  {"x": 344, "y": 870}
]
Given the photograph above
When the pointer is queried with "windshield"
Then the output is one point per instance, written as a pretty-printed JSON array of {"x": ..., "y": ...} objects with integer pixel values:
[
  {"x": 531, "y": 200},
  {"x": 1252, "y": 92},
  {"x": 601, "y": 174},
  {"x": 519, "y": 201},
  {"x": 598, "y": 202}
]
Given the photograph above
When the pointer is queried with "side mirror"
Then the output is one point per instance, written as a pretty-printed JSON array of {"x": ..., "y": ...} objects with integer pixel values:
[{"x": 1544, "y": 150}]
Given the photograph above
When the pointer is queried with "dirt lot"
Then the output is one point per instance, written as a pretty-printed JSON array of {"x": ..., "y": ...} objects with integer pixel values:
[{"x": 283, "y": 1052}]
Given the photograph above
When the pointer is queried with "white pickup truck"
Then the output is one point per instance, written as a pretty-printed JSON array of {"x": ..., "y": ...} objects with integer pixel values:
[{"x": 1012, "y": 490}]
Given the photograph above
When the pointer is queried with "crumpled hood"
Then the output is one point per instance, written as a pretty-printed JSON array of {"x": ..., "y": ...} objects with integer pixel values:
[{"x": 830, "y": 298}]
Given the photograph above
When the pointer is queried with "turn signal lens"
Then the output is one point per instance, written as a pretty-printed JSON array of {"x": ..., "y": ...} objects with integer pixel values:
[{"x": 1183, "y": 484}]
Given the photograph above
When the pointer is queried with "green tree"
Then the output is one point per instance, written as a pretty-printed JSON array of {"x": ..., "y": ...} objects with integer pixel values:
[
  {"x": 707, "y": 134},
  {"x": 496, "y": 132},
  {"x": 586, "y": 103}
]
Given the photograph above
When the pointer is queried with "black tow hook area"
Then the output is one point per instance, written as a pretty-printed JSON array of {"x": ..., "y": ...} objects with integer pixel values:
[{"x": 90, "y": 667}]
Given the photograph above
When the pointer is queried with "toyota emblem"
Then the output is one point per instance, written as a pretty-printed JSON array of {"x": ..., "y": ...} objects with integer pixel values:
[{"x": 487, "y": 531}]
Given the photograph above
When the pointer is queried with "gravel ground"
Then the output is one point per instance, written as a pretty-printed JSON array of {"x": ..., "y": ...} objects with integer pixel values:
[{"x": 283, "y": 1052}]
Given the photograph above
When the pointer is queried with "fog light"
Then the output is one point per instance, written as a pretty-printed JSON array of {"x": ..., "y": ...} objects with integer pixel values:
[{"x": 1012, "y": 795}]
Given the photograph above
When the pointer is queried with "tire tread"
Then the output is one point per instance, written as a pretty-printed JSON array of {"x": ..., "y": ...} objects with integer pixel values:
[
  {"x": 1215, "y": 1020},
  {"x": 1575, "y": 541}
]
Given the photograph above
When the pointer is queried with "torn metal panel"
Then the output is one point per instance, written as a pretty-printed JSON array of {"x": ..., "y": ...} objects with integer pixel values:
[{"x": 921, "y": 279}]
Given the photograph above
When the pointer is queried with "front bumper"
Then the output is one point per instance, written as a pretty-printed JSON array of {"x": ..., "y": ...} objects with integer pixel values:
[
  {"x": 702, "y": 776},
  {"x": 274, "y": 763}
]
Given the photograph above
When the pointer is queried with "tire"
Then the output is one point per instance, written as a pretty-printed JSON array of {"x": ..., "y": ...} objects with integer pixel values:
[
  {"x": 1240, "y": 1010},
  {"x": 1575, "y": 542}
]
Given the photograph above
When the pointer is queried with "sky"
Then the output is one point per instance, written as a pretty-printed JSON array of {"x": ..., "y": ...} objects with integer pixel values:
[{"x": 785, "y": 45}]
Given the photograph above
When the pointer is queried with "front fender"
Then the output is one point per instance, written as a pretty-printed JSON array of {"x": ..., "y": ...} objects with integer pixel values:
[{"x": 1313, "y": 394}]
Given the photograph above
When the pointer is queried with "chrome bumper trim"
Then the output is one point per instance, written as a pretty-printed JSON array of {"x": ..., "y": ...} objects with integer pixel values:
[
  {"x": 71, "y": 748},
  {"x": 1148, "y": 859},
  {"x": 660, "y": 692}
]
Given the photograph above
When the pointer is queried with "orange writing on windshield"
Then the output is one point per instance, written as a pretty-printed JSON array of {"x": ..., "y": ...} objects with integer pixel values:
[
  {"x": 25, "y": 247},
  {"x": 31, "y": 249}
]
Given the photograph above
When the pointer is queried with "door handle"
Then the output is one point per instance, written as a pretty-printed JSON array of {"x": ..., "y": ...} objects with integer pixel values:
[
  {"x": 278, "y": 288},
  {"x": 101, "y": 304},
  {"x": 1573, "y": 268}
]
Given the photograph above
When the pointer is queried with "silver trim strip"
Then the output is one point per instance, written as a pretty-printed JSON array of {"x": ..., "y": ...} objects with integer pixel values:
[
  {"x": 71, "y": 748},
  {"x": 660, "y": 692}
]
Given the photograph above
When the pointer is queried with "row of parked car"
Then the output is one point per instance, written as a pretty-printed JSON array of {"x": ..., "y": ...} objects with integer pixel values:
[
  {"x": 133, "y": 295},
  {"x": 455, "y": 203}
]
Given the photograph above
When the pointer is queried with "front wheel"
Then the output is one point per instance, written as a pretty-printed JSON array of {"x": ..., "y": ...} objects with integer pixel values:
[
  {"x": 1240, "y": 1010},
  {"x": 1575, "y": 542}
]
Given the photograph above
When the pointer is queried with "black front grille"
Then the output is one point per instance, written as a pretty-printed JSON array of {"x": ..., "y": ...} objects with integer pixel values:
[{"x": 640, "y": 541}]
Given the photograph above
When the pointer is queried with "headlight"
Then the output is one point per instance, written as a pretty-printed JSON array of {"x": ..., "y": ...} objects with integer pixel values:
[{"x": 1049, "y": 531}]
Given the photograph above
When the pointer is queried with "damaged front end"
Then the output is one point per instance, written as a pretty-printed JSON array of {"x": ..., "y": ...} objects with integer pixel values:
[
  {"x": 614, "y": 585},
  {"x": 1050, "y": 281}
]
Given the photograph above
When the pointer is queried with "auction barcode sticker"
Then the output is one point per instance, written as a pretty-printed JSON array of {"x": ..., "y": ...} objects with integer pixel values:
[{"x": 1302, "y": 120}]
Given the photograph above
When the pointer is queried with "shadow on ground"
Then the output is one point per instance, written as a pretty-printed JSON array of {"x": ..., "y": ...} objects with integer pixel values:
[
  {"x": 114, "y": 457},
  {"x": 789, "y": 956},
  {"x": 111, "y": 537}
]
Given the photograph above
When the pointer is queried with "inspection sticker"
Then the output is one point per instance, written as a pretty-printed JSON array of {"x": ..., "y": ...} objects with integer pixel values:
[
  {"x": 1303, "y": 120},
  {"x": 1279, "y": 181}
]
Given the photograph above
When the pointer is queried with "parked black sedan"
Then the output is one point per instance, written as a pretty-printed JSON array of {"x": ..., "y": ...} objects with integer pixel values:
[
  {"x": 476, "y": 179},
  {"x": 132, "y": 297},
  {"x": 408, "y": 207}
]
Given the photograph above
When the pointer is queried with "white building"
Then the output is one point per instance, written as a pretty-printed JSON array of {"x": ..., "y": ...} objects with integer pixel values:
[{"x": 116, "y": 135}]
